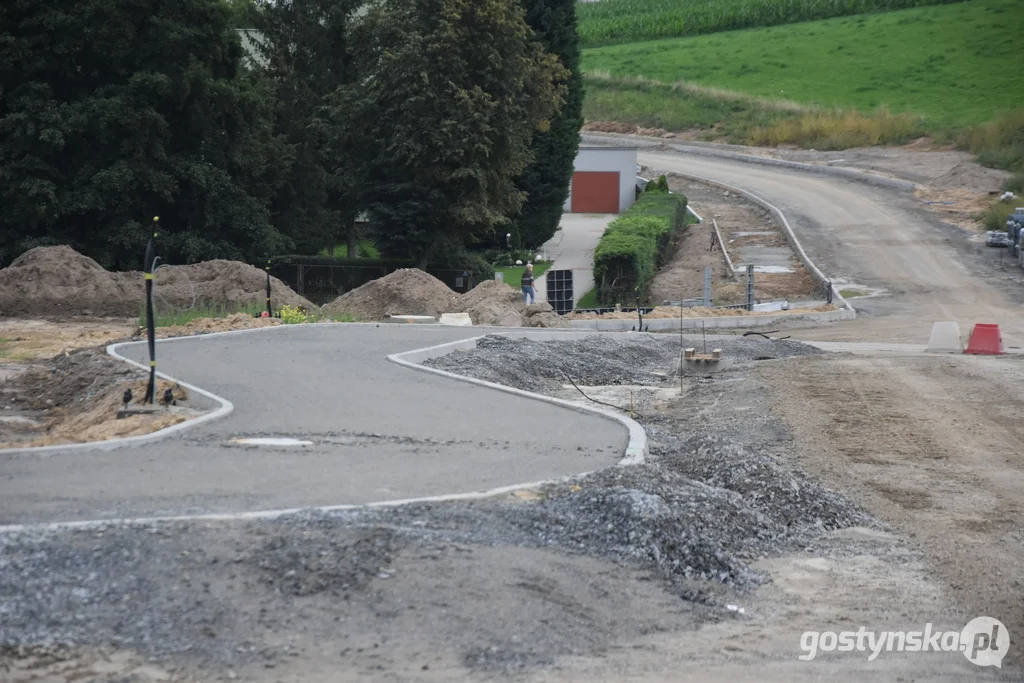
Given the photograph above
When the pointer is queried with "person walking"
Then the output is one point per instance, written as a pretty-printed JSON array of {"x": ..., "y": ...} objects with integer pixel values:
[{"x": 529, "y": 293}]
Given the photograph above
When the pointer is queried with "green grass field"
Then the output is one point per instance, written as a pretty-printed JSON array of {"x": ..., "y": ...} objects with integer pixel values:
[
  {"x": 513, "y": 275},
  {"x": 624, "y": 21},
  {"x": 953, "y": 64}
]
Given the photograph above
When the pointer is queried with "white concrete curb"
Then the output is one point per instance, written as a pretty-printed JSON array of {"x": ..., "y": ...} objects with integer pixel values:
[{"x": 636, "y": 449}]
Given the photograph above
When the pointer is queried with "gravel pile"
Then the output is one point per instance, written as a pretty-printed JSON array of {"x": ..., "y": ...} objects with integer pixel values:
[
  {"x": 540, "y": 366},
  {"x": 598, "y": 360}
]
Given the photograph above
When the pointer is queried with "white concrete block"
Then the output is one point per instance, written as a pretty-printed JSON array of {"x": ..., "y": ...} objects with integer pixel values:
[
  {"x": 945, "y": 338},
  {"x": 456, "y": 319}
]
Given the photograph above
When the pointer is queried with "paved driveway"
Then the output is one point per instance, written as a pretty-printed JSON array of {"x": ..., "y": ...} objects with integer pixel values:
[
  {"x": 572, "y": 248},
  {"x": 382, "y": 432}
]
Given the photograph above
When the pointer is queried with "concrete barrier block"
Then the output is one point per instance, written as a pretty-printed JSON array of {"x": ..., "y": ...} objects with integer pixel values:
[
  {"x": 456, "y": 319},
  {"x": 945, "y": 338}
]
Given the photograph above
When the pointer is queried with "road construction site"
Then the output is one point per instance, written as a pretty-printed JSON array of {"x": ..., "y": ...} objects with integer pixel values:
[{"x": 607, "y": 512}]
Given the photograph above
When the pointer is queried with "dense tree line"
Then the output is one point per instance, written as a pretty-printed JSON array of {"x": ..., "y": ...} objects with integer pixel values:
[{"x": 447, "y": 121}]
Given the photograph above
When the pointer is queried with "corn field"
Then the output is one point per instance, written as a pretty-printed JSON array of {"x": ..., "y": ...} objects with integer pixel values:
[{"x": 605, "y": 22}]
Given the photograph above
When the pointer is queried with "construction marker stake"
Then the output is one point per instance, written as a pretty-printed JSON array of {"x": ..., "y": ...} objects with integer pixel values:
[{"x": 150, "y": 261}]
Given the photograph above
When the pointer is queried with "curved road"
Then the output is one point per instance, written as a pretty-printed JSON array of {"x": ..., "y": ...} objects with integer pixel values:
[
  {"x": 877, "y": 238},
  {"x": 381, "y": 432}
]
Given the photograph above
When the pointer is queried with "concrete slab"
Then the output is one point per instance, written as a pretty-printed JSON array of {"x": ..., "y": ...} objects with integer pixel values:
[
  {"x": 456, "y": 319},
  {"x": 945, "y": 338}
]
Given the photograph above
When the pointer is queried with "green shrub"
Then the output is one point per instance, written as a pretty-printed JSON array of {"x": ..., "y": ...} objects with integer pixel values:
[
  {"x": 659, "y": 185},
  {"x": 635, "y": 245}
]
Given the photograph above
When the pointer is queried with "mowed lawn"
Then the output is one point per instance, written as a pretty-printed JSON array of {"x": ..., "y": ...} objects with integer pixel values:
[{"x": 953, "y": 64}]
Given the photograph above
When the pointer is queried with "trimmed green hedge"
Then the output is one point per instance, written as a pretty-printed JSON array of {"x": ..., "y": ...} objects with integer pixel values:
[{"x": 635, "y": 245}]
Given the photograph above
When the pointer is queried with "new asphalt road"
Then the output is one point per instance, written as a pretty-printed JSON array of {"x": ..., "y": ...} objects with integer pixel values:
[{"x": 380, "y": 431}]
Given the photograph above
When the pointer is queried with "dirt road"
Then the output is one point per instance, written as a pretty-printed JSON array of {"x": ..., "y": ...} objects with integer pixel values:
[{"x": 880, "y": 239}]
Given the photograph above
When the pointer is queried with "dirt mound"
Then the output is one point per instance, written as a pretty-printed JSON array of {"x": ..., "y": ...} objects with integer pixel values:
[
  {"x": 408, "y": 291},
  {"x": 542, "y": 315},
  {"x": 970, "y": 177},
  {"x": 75, "y": 399},
  {"x": 609, "y": 127},
  {"x": 218, "y": 283},
  {"x": 58, "y": 281},
  {"x": 490, "y": 291}
]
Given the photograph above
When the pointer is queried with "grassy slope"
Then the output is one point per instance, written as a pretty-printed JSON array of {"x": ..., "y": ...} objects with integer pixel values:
[
  {"x": 954, "y": 64},
  {"x": 625, "y": 21}
]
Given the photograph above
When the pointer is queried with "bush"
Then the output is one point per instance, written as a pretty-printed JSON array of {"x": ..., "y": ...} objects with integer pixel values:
[
  {"x": 291, "y": 315},
  {"x": 635, "y": 245},
  {"x": 659, "y": 185}
]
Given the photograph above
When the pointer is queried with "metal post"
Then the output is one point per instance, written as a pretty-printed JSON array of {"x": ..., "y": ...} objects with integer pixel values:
[
  {"x": 270, "y": 311},
  {"x": 150, "y": 261},
  {"x": 750, "y": 287},
  {"x": 707, "y": 287}
]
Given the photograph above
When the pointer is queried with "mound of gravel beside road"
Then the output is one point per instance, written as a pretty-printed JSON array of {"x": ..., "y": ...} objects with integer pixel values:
[
  {"x": 59, "y": 281},
  {"x": 598, "y": 359}
]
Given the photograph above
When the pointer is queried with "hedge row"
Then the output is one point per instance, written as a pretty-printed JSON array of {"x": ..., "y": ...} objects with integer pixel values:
[{"x": 635, "y": 245}]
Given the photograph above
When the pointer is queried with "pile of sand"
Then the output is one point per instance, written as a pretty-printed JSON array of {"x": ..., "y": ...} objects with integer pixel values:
[
  {"x": 414, "y": 292},
  {"x": 58, "y": 281},
  {"x": 970, "y": 177},
  {"x": 492, "y": 303},
  {"x": 219, "y": 283},
  {"x": 408, "y": 291}
]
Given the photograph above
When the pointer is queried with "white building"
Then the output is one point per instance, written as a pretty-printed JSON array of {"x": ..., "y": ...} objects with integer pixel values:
[{"x": 603, "y": 180}]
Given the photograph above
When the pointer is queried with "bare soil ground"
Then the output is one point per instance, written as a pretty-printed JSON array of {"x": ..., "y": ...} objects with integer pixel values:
[
  {"x": 74, "y": 398},
  {"x": 683, "y": 276}
]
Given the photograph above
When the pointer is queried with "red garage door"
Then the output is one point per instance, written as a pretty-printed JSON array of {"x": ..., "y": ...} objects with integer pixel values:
[{"x": 595, "y": 192}]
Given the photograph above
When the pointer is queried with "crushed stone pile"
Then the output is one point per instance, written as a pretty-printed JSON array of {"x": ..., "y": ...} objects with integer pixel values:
[
  {"x": 58, "y": 281},
  {"x": 537, "y": 366},
  {"x": 408, "y": 291},
  {"x": 639, "y": 360}
]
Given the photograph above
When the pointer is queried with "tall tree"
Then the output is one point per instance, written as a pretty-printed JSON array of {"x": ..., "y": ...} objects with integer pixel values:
[
  {"x": 546, "y": 181},
  {"x": 449, "y": 95},
  {"x": 112, "y": 112},
  {"x": 304, "y": 45}
]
